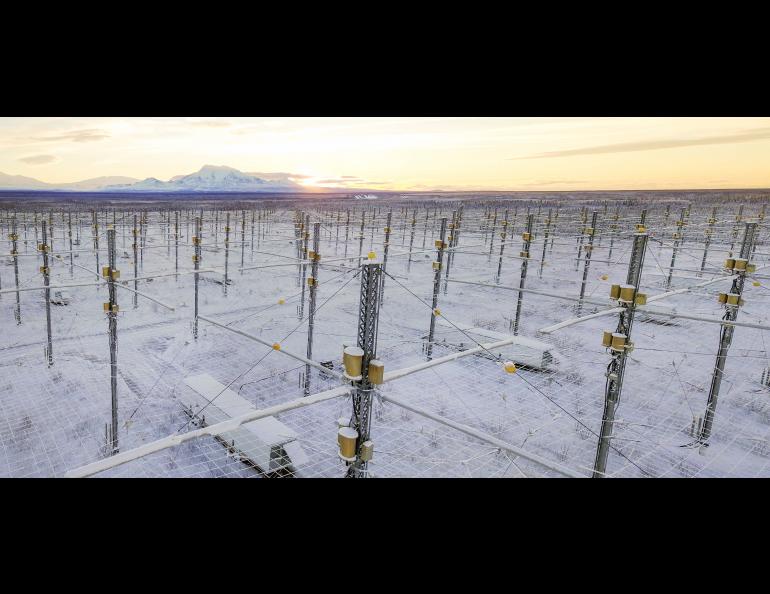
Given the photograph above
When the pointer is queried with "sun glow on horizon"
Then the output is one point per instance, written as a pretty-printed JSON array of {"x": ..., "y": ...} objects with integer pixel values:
[{"x": 402, "y": 154}]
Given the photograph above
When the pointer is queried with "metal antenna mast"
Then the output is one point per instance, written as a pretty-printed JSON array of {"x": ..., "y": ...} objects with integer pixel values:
[
  {"x": 368, "y": 315},
  {"x": 14, "y": 237},
  {"x": 303, "y": 255},
  {"x": 176, "y": 244},
  {"x": 243, "y": 236},
  {"x": 441, "y": 246},
  {"x": 411, "y": 241},
  {"x": 69, "y": 234},
  {"x": 545, "y": 242},
  {"x": 43, "y": 247},
  {"x": 503, "y": 234},
  {"x": 527, "y": 237},
  {"x": 95, "y": 232},
  {"x": 591, "y": 232},
  {"x": 197, "y": 261},
  {"x": 619, "y": 345},
  {"x": 732, "y": 301},
  {"x": 111, "y": 308},
  {"x": 227, "y": 252},
  {"x": 677, "y": 238},
  {"x": 312, "y": 282},
  {"x": 709, "y": 233},
  {"x": 136, "y": 264},
  {"x": 386, "y": 246}
]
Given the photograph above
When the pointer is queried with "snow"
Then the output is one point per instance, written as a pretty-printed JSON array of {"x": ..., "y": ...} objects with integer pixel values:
[{"x": 53, "y": 419}]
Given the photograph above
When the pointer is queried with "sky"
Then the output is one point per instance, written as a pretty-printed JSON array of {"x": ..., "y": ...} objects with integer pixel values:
[{"x": 401, "y": 153}]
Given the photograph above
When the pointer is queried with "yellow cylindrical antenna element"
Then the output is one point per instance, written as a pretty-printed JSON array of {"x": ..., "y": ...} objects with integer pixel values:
[
  {"x": 367, "y": 450},
  {"x": 730, "y": 263},
  {"x": 115, "y": 274},
  {"x": 310, "y": 281},
  {"x": 310, "y": 254},
  {"x": 733, "y": 299},
  {"x": 106, "y": 306},
  {"x": 372, "y": 255},
  {"x": 105, "y": 271},
  {"x": 437, "y": 312},
  {"x": 607, "y": 338},
  {"x": 276, "y": 346},
  {"x": 751, "y": 267},
  {"x": 614, "y": 291},
  {"x": 741, "y": 263},
  {"x": 352, "y": 359},
  {"x": 604, "y": 277},
  {"x": 281, "y": 301},
  {"x": 722, "y": 298},
  {"x": 526, "y": 236},
  {"x": 640, "y": 228},
  {"x": 376, "y": 371},
  {"x": 640, "y": 299},
  {"x": 436, "y": 265},
  {"x": 627, "y": 293},
  {"x": 346, "y": 439},
  {"x": 510, "y": 367},
  {"x": 524, "y": 254},
  {"x": 618, "y": 341}
]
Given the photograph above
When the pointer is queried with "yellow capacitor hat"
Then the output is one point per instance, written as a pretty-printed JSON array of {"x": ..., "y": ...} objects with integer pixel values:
[
  {"x": 346, "y": 438},
  {"x": 376, "y": 372}
]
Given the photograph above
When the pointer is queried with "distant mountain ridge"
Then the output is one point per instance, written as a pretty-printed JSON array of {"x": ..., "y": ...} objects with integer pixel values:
[{"x": 210, "y": 178}]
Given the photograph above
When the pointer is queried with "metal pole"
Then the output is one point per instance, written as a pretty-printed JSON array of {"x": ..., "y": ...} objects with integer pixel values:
[
  {"x": 709, "y": 233},
  {"x": 368, "y": 314},
  {"x": 312, "y": 282},
  {"x": 243, "y": 237},
  {"x": 619, "y": 347},
  {"x": 677, "y": 239},
  {"x": 411, "y": 241},
  {"x": 732, "y": 303},
  {"x": 451, "y": 240},
  {"x": 385, "y": 248},
  {"x": 227, "y": 253},
  {"x": 43, "y": 247},
  {"x": 135, "y": 247},
  {"x": 591, "y": 232},
  {"x": 545, "y": 243},
  {"x": 14, "y": 236},
  {"x": 502, "y": 246},
  {"x": 441, "y": 246},
  {"x": 527, "y": 237},
  {"x": 112, "y": 321},
  {"x": 197, "y": 261},
  {"x": 361, "y": 238},
  {"x": 69, "y": 234},
  {"x": 305, "y": 238},
  {"x": 95, "y": 231}
]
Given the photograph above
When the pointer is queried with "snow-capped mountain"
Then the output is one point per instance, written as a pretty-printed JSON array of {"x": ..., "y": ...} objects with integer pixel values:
[
  {"x": 212, "y": 178},
  {"x": 20, "y": 182}
]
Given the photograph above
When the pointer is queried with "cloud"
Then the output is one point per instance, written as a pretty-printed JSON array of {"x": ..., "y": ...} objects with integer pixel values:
[
  {"x": 652, "y": 145},
  {"x": 38, "y": 159},
  {"x": 89, "y": 135},
  {"x": 211, "y": 123}
]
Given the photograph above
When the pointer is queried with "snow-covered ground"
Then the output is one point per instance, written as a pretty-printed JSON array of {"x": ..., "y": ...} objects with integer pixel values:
[{"x": 52, "y": 419}]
